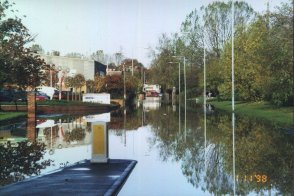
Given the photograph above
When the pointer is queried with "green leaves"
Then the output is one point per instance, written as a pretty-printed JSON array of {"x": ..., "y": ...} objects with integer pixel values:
[{"x": 18, "y": 65}]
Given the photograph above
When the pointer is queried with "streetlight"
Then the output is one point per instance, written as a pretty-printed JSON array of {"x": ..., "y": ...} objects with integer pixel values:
[
  {"x": 125, "y": 96},
  {"x": 233, "y": 98},
  {"x": 185, "y": 85},
  {"x": 179, "y": 77},
  {"x": 185, "y": 80},
  {"x": 50, "y": 75}
]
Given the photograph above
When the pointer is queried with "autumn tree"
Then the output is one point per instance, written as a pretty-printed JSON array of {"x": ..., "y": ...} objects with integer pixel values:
[
  {"x": 70, "y": 83},
  {"x": 90, "y": 86},
  {"x": 114, "y": 85},
  {"x": 79, "y": 82},
  {"x": 99, "y": 84}
]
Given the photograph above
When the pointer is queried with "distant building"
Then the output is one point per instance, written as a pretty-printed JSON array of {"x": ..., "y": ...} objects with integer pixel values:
[
  {"x": 70, "y": 66},
  {"x": 73, "y": 66},
  {"x": 100, "y": 69}
]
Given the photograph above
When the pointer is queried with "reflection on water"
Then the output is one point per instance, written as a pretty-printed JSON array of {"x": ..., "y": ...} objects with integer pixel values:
[
  {"x": 246, "y": 157},
  {"x": 178, "y": 154},
  {"x": 21, "y": 159}
]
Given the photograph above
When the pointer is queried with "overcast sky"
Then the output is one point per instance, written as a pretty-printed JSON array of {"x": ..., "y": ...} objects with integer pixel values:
[{"x": 86, "y": 26}]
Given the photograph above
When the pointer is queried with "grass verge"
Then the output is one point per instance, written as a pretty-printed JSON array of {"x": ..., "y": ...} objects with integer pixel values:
[
  {"x": 10, "y": 115},
  {"x": 261, "y": 110}
]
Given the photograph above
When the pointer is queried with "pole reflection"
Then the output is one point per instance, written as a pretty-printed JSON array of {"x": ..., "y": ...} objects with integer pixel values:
[{"x": 233, "y": 141}]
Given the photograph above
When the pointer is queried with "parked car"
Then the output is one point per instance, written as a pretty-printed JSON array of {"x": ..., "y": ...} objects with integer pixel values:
[
  {"x": 20, "y": 95},
  {"x": 8, "y": 95},
  {"x": 5, "y": 96},
  {"x": 40, "y": 96},
  {"x": 48, "y": 90},
  {"x": 152, "y": 94}
]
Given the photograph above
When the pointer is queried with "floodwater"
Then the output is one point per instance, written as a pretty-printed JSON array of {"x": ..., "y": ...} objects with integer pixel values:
[{"x": 192, "y": 151}]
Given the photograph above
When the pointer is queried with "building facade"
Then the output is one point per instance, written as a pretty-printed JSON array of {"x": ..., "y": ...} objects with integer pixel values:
[
  {"x": 73, "y": 66},
  {"x": 70, "y": 66}
]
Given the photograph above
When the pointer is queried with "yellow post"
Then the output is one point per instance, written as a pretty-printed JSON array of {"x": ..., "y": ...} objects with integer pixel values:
[{"x": 99, "y": 142}]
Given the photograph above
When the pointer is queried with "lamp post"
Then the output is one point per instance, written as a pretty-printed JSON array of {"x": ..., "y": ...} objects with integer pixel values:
[
  {"x": 185, "y": 86},
  {"x": 179, "y": 94},
  {"x": 50, "y": 75},
  {"x": 185, "y": 79},
  {"x": 179, "y": 77},
  {"x": 125, "y": 96}
]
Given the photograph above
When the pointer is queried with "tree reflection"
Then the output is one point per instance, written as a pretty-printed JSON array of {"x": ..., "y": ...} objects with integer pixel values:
[
  {"x": 133, "y": 121},
  {"x": 25, "y": 159},
  {"x": 260, "y": 149},
  {"x": 76, "y": 134}
]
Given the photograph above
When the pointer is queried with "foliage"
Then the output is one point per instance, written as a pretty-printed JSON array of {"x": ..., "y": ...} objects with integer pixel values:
[
  {"x": 263, "y": 57},
  {"x": 99, "y": 84},
  {"x": 18, "y": 65},
  {"x": 69, "y": 82},
  {"x": 279, "y": 53},
  {"x": 55, "y": 53},
  {"x": 114, "y": 85},
  {"x": 74, "y": 55},
  {"x": 79, "y": 81},
  {"x": 206, "y": 159},
  {"x": 21, "y": 161},
  {"x": 77, "y": 134},
  {"x": 217, "y": 22},
  {"x": 36, "y": 48},
  {"x": 90, "y": 86}
]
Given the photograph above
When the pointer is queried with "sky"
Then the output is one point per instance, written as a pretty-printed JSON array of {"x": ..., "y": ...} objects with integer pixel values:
[{"x": 130, "y": 26}]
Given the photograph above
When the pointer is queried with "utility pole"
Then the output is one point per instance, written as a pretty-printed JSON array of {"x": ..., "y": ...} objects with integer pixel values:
[
  {"x": 125, "y": 96},
  {"x": 132, "y": 66}
]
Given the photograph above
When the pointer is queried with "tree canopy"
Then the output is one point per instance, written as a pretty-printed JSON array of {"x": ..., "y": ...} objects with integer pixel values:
[
  {"x": 18, "y": 65},
  {"x": 263, "y": 50}
]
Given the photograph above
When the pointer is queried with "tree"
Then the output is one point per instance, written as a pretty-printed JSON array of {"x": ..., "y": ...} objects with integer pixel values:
[
  {"x": 162, "y": 70},
  {"x": 79, "y": 82},
  {"x": 74, "y": 55},
  {"x": 17, "y": 64},
  {"x": 251, "y": 74},
  {"x": 22, "y": 161},
  {"x": 36, "y": 48},
  {"x": 55, "y": 53},
  {"x": 90, "y": 86},
  {"x": 98, "y": 56},
  {"x": 263, "y": 61},
  {"x": 279, "y": 53},
  {"x": 217, "y": 22},
  {"x": 190, "y": 44},
  {"x": 114, "y": 85},
  {"x": 99, "y": 84},
  {"x": 69, "y": 83}
]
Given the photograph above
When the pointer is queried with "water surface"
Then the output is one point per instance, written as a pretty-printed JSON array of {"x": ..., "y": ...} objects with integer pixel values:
[{"x": 200, "y": 153}]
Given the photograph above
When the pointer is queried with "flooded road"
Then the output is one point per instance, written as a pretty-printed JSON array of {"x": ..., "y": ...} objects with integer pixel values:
[{"x": 202, "y": 154}]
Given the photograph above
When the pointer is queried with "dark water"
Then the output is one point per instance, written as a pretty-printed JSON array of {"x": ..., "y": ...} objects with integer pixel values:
[{"x": 197, "y": 155}]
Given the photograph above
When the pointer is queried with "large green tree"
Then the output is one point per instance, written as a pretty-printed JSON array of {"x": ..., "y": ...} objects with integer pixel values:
[
  {"x": 17, "y": 64},
  {"x": 217, "y": 19},
  {"x": 279, "y": 55}
]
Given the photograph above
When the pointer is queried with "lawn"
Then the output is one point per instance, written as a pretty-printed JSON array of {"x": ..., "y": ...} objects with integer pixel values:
[
  {"x": 261, "y": 110},
  {"x": 11, "y": 115}
]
